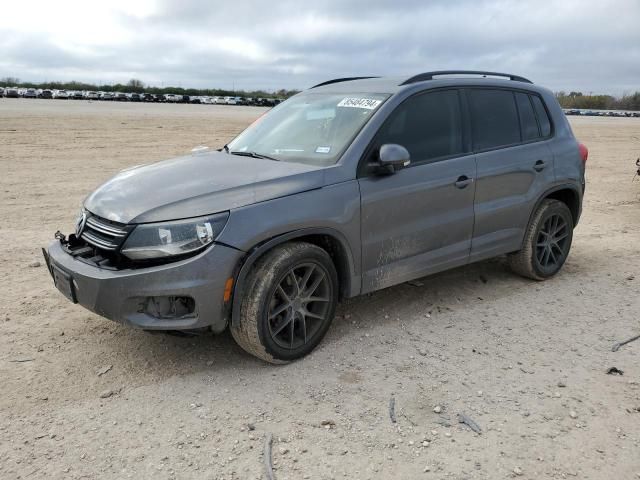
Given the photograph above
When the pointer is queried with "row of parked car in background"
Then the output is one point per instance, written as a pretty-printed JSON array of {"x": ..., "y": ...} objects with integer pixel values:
[
  {"x": 600, "y": 113},
  {"x": 16, "y": 92}
]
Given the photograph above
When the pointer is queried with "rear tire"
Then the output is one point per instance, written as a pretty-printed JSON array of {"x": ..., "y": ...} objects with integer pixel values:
[
  {"x": 290, "y": 301},
  {"x": 547, "y": 242}
]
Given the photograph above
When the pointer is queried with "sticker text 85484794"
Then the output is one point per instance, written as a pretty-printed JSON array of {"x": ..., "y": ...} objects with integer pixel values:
[{"x": 367, "y": 103}]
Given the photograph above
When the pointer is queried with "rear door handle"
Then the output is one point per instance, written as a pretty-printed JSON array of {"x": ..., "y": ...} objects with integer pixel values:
[
  {"x": 463, "y": 181},
  {"x": 539, "y": 165}
]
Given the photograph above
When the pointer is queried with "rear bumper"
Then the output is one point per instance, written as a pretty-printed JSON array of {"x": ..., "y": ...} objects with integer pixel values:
[{"x": 121, "y": 295}]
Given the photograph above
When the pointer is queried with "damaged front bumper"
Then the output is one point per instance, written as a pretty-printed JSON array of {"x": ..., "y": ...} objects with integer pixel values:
[{"x": 183, "y": 295}]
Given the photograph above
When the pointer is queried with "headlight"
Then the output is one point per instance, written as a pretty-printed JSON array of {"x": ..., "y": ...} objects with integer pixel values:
[{"x": 167, "y": 239}]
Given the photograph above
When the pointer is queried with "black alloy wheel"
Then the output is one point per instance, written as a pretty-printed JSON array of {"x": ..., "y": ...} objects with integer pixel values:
[
  {"x": 552, "y": 242},
  {"x": 299, "y": 305}
]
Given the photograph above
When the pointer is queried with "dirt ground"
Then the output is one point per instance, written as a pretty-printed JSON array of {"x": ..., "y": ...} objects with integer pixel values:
[{"x": 527, "y": 361}]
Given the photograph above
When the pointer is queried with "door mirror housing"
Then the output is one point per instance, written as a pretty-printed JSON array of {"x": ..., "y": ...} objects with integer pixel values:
[{"x": 391, "y": 158}]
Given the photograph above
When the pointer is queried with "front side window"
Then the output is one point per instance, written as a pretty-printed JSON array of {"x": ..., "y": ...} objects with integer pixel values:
[
  {"x": 494, "y": 118},
  {"x": 428, "y": 125},
  {"x": 313, "y": 128}
]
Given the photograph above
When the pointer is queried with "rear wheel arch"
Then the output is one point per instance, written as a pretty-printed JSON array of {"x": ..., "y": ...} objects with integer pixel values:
[
  {"x": 567, "y": 194},
  {"x": 330, "y": 240},
  {"x": 570, "y": 197}
]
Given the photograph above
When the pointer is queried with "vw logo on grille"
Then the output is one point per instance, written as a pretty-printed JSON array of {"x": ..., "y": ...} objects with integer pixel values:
[{"x": 80, "y": 223}]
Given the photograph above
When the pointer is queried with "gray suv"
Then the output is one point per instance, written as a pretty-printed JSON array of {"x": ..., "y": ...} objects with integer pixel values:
[{"x": 349, "y": 187}]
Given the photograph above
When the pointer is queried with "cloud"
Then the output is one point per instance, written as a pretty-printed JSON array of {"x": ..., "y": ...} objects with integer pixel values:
[{"x": 573, "y": 45}]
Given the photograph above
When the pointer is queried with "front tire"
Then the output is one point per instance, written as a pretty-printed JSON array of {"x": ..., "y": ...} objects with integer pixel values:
[
  {"x": 290, "y": 301},
  {"x": 547, "y": 242}
]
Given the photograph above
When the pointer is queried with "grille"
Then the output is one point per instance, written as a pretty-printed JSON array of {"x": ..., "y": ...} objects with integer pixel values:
[{"x": 104, "y": 234}]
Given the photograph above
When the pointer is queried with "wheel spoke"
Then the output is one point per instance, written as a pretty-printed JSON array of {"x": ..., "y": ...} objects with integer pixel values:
[
  {"x": 305, "y": 279},
  {"x": 317, "y": 299},
  {"x": 287, "y": 321},
  {"x": 316, "y": 283},
  {"x": 554, "y": 224},
  {"x": 560, "y": 229},
  {"x": 291, "y": 330},
  {"x": 560, "y": 237},
  {"x": 277, "y": 311},
  {"x": 552, "y": 256},
  {"x": 307, "y": 313},
  {"x": 283, "y": 294},
  {"x": 560, "y": 251},
  {"x": 294, "y": 282}
]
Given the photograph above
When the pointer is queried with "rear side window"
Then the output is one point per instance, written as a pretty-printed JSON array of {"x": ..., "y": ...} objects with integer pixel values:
[
  {"x": 494, "y": 118},
  {"x": 429, "y": 126},
  {"x": 528, "y": 123},
  {"x": 543, "y": 117}
]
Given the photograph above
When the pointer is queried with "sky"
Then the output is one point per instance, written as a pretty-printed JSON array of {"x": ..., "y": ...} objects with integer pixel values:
[{"x": 587, "y": 45}]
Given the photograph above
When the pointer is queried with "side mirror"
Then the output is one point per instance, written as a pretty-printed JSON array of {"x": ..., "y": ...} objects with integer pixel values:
[{"x": 392, "y": 157}]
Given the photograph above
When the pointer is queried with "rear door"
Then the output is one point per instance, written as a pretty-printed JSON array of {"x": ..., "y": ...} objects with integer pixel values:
[
  {"x": 515, "y": 166},
  {"x": 419, "y": 220}
]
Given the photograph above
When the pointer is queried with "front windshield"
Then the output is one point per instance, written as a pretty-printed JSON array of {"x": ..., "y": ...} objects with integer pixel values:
[{"x": 312, "y": 128}]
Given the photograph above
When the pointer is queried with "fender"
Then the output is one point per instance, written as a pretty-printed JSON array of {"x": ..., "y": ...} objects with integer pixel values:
[{"x": 353, "y": 280}]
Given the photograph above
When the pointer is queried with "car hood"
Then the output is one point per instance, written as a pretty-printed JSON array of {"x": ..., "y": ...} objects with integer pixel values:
[{"x": 196, "y": 185}]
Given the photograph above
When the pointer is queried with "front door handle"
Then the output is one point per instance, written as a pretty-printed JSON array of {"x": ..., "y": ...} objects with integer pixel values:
[
  {"x": 539, "y": 165},
  {"x": 463, "y": 181}
]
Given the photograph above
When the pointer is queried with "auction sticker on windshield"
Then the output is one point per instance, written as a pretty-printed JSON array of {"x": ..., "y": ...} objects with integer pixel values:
[{"x": 367, "y": 103}]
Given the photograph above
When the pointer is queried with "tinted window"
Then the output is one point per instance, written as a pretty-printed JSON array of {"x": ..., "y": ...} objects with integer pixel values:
[
  {"x": 494, "y": 118},
  {"x": 427, "y": 125},
  {"x": 543, "y": 118},
  {"x": 528, "y": 124}
]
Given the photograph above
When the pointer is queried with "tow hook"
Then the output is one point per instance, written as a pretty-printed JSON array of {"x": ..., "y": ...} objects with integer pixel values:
[
  {"x": 61, "y": 237},
  {"x": 71, "y": 241}
]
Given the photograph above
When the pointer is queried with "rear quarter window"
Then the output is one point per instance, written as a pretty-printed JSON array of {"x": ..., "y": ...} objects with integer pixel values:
[
  {"x": 494, "y": 118},
  {"x": 528, "y": 123},
  {"x": 543, "y": 116}
]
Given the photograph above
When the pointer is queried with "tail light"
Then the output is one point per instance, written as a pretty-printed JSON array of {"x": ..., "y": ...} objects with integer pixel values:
[{"x": 584, "y": 152}]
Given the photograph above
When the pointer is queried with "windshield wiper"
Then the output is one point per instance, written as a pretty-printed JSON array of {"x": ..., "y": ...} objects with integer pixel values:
[{"x": 253, "y": 155}]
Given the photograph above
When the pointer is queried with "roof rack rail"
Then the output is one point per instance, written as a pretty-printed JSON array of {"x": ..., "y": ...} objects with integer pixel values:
[
  {"x": 339, "y": 80},
  {"x": 429, "y": 75}
]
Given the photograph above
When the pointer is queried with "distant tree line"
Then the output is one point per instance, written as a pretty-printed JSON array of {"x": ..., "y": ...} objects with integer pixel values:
[
  {"x": 137, "y": 86},
  {"x": 599, "y": 102}
]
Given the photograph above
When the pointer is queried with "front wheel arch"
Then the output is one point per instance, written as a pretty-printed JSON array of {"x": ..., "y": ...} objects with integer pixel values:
[{"x": 331, "y": 240}]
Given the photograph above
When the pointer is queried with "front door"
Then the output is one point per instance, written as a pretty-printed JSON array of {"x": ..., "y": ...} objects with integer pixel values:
[{"x": 419, "y": 220}]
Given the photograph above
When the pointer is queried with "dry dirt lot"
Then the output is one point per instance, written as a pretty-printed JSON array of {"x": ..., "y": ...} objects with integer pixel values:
[{"x": 525, "y": 360}]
